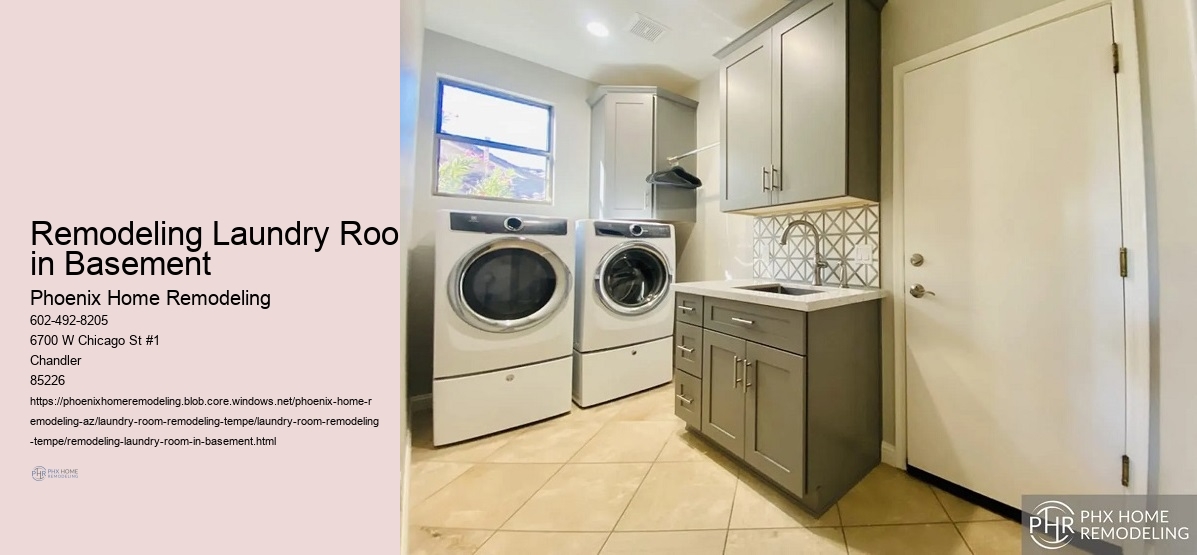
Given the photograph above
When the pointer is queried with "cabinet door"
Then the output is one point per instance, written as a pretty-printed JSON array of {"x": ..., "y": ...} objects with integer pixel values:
[
  {"x": 629, "y": 156},
  {"x": 810, "y": 96},
  {"x": 745, "y": 84},
  {"x": 775, "y": 427},
  {"x": 723, "y": 390}
]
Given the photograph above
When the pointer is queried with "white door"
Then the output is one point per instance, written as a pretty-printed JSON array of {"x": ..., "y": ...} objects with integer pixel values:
[{"x": 1016, "y": 370}]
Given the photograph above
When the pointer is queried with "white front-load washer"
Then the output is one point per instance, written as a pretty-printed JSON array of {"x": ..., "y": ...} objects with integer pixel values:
[
  {"x": 623, "y": 333},
  {"x": 503, "y": 328}
]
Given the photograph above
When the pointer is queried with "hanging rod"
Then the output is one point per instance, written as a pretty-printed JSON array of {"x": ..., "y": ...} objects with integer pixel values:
[{"x": 674, "y": 159}]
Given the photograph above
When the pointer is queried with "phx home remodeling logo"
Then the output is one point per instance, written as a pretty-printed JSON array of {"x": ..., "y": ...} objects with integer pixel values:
[
  {"x": 41, "y": 473},
  {"x": 1050, "y": 526}
]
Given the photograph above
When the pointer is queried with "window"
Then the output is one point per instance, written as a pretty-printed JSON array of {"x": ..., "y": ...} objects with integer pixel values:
[{"x": 492, "y": 145}]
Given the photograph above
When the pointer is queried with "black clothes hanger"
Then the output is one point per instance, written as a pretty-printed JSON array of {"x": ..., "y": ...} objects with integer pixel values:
[{"x": 676, "y": 176}]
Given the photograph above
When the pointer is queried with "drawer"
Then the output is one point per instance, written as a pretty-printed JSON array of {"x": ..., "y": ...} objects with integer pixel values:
[
  {"x": 767, "y": 325},
  {"x": 687, "y": 398},
  {"x": 687, "y": 349},
  {"x": 689, "y": 308}
]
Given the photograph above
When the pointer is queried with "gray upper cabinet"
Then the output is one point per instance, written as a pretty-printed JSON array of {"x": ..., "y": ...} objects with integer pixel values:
[
  {"x": 745, "y": 128},
  {"x": 774, "y": 430},
  {"x": 723, "y": 390},
  {"x": 801, "y": 109},
  {"x": 633, "y": 130}
]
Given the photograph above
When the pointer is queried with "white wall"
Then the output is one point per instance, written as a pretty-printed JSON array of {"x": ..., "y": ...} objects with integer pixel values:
[
  {"x": 1169, "y": 42},
  {"x": 450, "y": 57},
  {"x": 1168, "y": 46},
  {"x": 411, "y": 52},
  {"x": 718, "y": 245}
]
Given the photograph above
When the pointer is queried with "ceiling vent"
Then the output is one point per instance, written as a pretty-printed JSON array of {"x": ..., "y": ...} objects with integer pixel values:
[{"x": 646, "y": 28}]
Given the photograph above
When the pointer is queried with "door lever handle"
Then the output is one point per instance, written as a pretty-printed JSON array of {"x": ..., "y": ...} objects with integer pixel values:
[{"x": 917, "y": 291}]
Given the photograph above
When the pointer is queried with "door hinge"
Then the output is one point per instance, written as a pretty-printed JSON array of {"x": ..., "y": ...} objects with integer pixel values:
[
  {"x": 1125, "y": 471},
  {"x": 1122, "y": 261},
  {"x": 1117, "y": 61}
]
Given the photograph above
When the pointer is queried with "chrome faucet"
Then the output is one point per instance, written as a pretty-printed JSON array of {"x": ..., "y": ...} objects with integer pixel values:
[{"x": 820, "y": 262}]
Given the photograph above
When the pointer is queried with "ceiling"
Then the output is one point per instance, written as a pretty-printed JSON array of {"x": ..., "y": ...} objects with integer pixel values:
[{"x": 553, "y": 33}]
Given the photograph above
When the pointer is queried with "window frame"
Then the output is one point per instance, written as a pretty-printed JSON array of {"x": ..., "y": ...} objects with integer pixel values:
[{"x": 439, "y": 135}]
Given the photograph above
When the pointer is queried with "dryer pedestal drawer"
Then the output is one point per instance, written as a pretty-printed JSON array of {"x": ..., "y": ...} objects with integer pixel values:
[
  {"x": 467, "y": 407},
  {"x": 605, "y": 375}
]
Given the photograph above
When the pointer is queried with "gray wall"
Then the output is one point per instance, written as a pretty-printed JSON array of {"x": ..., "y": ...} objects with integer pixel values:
[{"x": 450, "y": 57}]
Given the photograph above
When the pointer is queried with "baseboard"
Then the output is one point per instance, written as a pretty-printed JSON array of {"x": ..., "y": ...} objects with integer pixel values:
[
  {"x": 420, "y": 403},
  {"x": 889, "y": 455}
]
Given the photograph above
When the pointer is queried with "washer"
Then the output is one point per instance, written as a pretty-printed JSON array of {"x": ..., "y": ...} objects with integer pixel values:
[
  {"x": 504, "y": 314},
  {"x": 623, "y": 331}
]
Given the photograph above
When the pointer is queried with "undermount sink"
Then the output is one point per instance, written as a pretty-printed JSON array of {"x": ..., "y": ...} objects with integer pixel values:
[{"x": 779, "y": 289}]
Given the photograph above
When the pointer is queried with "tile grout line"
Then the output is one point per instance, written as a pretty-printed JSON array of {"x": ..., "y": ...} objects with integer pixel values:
[
  {"x": 438, "y": 490},
  {"x": 727, "y": 531},
  {"x": 518, "y": 509},
  {"x": 489, "y": 537},
  {"x": 625, "y": 507},
  {"x": 955, "y": 525}
]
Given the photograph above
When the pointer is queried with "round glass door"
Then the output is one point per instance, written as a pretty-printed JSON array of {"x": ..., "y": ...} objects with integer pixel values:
[
  {"x": 508, "y": 285},
  {"x": 633, "y": 278}
]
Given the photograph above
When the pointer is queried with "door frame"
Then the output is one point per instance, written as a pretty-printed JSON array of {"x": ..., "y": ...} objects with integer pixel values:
[{"x": 1134, "y": 225}]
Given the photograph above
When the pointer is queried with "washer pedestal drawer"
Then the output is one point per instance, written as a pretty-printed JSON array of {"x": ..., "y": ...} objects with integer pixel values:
[{"x": 467, "y": 407}]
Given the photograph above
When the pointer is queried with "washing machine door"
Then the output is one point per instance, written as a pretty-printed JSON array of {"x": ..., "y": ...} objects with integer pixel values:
[
  {"x": 508, "y": 285},
  {"x": 633, "y": 278}
]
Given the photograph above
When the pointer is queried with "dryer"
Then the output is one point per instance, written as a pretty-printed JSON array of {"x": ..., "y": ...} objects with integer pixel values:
[
  {"x": 623, "y": 331},
  {"x": 504, "y": 314}
]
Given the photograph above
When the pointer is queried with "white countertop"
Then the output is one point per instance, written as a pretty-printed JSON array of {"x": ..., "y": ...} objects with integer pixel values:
[{"x": 828, "y": 297}]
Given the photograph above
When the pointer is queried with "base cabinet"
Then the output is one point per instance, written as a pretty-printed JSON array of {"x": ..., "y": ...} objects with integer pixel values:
[{"x": 810, "y": 423}]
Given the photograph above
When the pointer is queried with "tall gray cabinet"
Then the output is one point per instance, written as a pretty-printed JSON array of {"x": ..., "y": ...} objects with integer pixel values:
[
  {"x": 801, "y": 105},
  {"x": 633, "y": 130}
]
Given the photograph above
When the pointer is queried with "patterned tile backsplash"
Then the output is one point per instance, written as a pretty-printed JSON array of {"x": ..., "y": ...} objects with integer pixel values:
[{"x": 843, "y": 229}]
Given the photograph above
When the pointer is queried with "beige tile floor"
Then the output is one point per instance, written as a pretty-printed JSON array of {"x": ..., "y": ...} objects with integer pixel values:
[{"x": 627, "y": 478}]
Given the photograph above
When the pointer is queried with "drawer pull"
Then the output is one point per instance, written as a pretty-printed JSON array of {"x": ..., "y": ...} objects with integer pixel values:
[
  {"x": 742, "y": 321},
  {"x": 686, "y": 350},
  {"x": 685, "y": 400},
  {"x": 685, "y": 308}
]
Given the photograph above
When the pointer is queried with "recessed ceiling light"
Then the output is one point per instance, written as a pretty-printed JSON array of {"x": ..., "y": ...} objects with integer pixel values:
[{"x": 597, "y": 29}]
